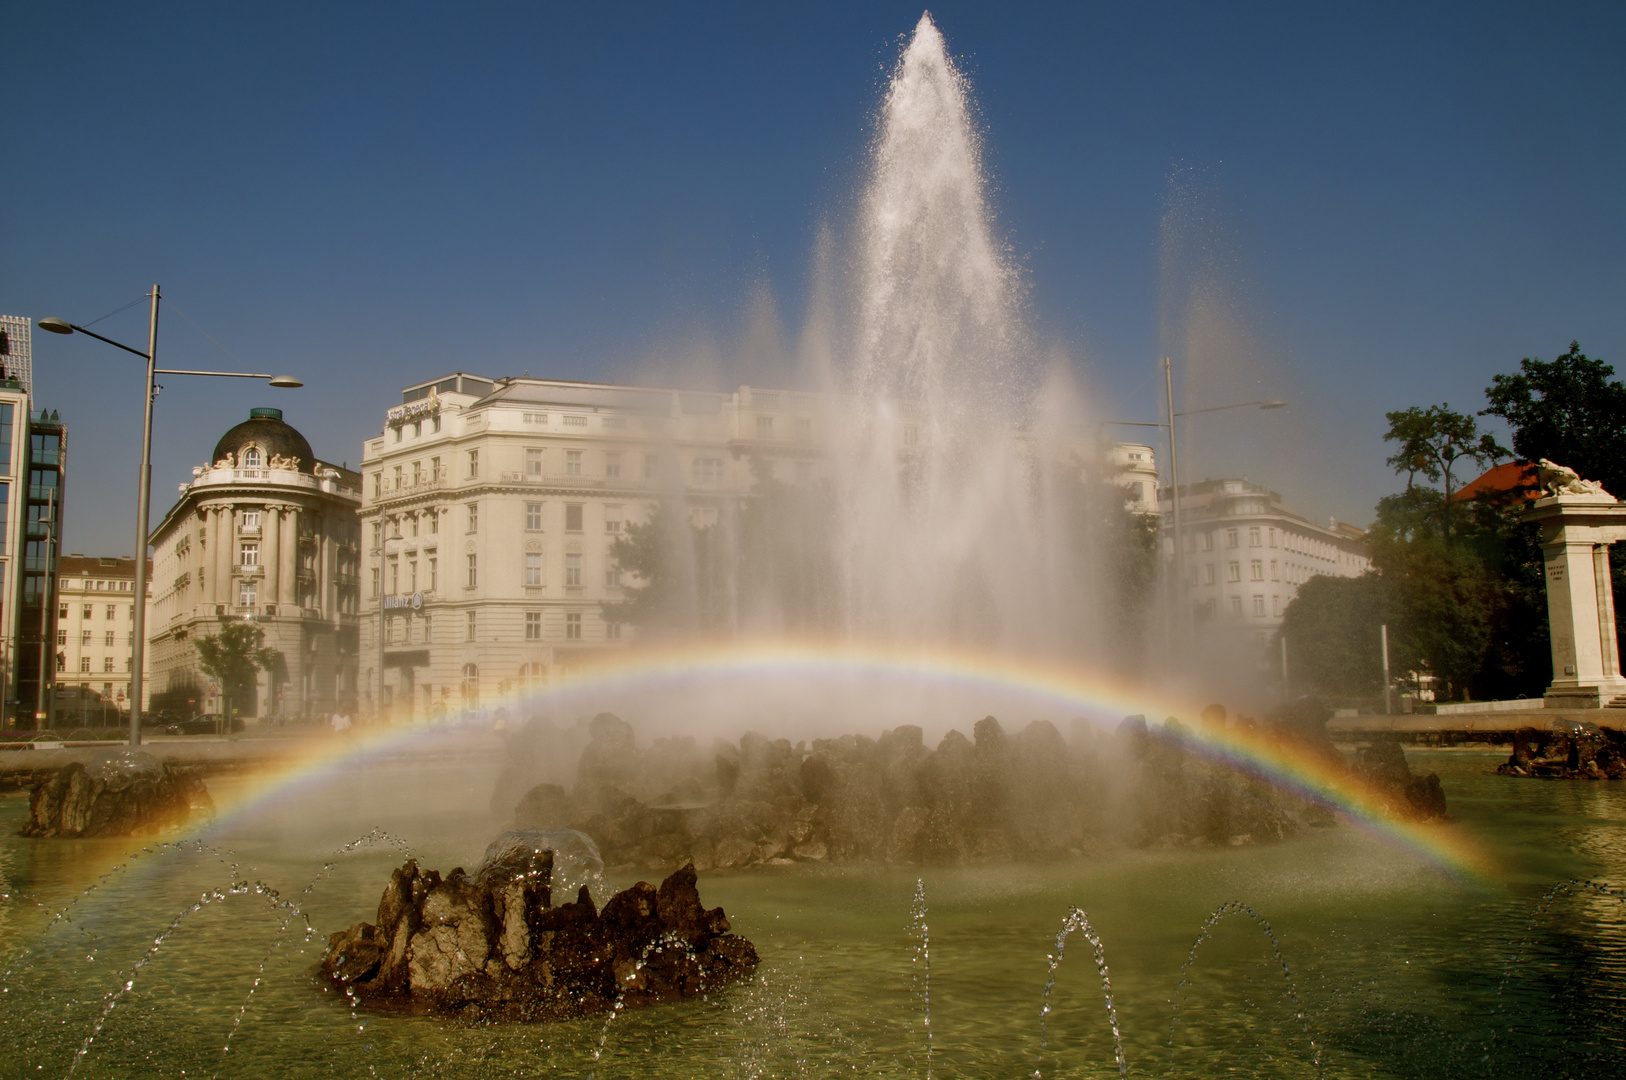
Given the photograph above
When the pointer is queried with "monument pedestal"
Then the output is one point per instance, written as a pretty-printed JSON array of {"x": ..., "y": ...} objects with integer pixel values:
[{"x": 1576, "y": 531}]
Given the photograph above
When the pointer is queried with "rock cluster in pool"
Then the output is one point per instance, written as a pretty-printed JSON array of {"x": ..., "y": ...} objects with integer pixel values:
[
  {"x": 1568, "y": 750},
  {"x": 492, "y": 945},
  {"x": 994, "y": 797},
  {"x": 120, "y": 793}
]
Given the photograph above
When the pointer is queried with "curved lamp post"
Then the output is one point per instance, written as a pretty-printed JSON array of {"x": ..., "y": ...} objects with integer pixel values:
[{"x": 144, "y": 490}]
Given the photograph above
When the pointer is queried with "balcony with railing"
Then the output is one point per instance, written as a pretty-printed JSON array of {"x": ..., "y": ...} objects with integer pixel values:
[{"x": 406, "y": 487}]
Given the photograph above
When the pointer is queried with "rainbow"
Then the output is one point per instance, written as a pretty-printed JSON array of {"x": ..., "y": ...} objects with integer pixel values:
[{"x": 659, "y": 676}]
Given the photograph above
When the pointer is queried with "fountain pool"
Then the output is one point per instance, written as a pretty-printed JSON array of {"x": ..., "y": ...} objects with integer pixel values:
[{"x": 1402, "y": 971}]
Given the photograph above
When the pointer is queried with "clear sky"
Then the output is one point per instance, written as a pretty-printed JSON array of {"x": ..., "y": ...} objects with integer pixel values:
[{"x": 1378, "y": 204}]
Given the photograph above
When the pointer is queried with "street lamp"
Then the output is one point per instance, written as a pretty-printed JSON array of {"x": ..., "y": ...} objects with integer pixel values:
[
  {"x": 144, "y": 488},
  {"x": 1174, "y": 461}
]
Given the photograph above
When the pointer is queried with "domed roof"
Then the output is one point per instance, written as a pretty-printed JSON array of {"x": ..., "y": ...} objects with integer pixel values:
[{"x": 265, "y": 431}]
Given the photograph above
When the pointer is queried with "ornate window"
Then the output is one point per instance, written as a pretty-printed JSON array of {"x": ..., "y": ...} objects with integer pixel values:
[{"x": 251, "y": 458}]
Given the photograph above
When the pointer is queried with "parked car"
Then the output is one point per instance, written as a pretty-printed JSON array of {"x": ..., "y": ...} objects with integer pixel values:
[{"x": 209, "y": 724}]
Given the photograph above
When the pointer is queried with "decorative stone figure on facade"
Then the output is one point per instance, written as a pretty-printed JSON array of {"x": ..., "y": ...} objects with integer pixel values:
[{"x": 1557, "y": 480}]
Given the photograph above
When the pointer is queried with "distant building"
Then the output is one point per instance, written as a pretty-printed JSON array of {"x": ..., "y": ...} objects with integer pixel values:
[
  {"x": 17, "y": 351},
  {"x": 95, "y": 616},
  {"x": 1246, "y": 554},
  {"x": 265, "y": 532},
  {"x": 491, "y": 508}
]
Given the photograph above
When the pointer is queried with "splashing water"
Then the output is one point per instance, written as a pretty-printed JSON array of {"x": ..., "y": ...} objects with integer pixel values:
[
  {"x": 921, "y": 962},
  {"x": 1236, "y": 907},
  {"x": 1077, "y": 920}
]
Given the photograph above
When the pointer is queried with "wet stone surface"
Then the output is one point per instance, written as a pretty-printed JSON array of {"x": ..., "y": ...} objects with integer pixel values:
[
  {"x": 120, "y": 793},
  {"x": 493, "y": 946}
]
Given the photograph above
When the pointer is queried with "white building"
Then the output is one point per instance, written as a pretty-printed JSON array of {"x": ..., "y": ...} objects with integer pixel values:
[
  {"x": 95, "y": 617},
  {"x": 491, "y": 508},
  {"x": 1246, "y": 554},
  {"x": 265, "y": 532}
]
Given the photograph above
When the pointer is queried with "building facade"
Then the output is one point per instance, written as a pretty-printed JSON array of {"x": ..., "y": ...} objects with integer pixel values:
[
  {"x": 1246, "y": 554},
  {"x": 95, "y": 619},
  {"x": 491, "y": 508},
  {"x": 265, "y": 532}
]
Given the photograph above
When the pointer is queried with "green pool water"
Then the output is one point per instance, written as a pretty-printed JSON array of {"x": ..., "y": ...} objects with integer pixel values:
[{"x": 1399, "y": 969}]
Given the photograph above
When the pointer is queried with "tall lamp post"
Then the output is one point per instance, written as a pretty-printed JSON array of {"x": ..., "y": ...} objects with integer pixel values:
[
  {"x": 144, "y": 489},
  {"x": 1174, "y": 461}
]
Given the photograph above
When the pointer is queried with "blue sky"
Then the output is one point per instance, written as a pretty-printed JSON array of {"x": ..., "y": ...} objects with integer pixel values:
[{"x": 1384, "y": 204}]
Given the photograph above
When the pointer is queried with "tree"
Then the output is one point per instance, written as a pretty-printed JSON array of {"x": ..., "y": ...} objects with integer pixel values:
[
  {"x": 1432, "y": 442},
  {"x": 234, "y": 657},
  {"x": 1333, "y": 635},
  {"x": 1568, "y": 410}
]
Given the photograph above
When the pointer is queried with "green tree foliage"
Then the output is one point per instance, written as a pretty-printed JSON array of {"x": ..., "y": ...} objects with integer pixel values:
[
  {"x": 1569, "y": 410},
  {"x": 1432, "y": 442},
  {"x": 1332, "y": 626},
  {"x": 234, "y": 657}
]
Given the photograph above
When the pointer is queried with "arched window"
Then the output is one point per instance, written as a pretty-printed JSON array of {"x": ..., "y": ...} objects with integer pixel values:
[
  {"x": 251, "y": 458},
  {"x": 533, "y": 676},
  {"x": 471, "y": 686}
]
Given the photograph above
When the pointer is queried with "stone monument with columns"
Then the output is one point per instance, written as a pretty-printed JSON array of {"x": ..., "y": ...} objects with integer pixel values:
[{"x": 1579, "y": 520}]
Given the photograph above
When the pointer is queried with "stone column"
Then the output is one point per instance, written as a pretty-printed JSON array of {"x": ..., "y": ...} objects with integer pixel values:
[
  {"x": 288, "y": 573},
  {"x": 1577, "y": 531},
  {"x": 270, "y": 543},
  {"x": 225, "y": 552}
]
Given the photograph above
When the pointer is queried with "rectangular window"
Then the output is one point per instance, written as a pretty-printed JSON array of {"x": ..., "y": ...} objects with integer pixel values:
[
  {"x": 247, "y": 593},
  {"x": 533, "y": 568},
  {"x": 108, "y": 639},
  {"x": 474, "y": 517},
  {"x": 412, "y": 576},
  {"x": 1208, "y": 541},
  {"x": 111, "y": 608},
  {"x": 1208, "y": 573},
  {"x": 573, "y": 569},
  {"x": 378, "y": 484},
  {"x": 395, "y": 577},
  {"x": 707, "y": 470},
  {"x": 417, "y": 428},
  {"x": 470, "y": 630},
  {"x": 61, "y": 638},
  {"x": 474, "y": 571},
  {"x": 375, "y": 581},
  {"x": 612, "y": 519},
  {"x": 1233, "y": 571},
  {"x": 251, "y": 521},
  {"x": 417, "y": 473},
  {"x": 649, "y": 466},
  {"x": 764, "y": 427},
  {"x": 573, "y": 626},
  {"x": 533, "y": 517},
  {"x": 398, "y": 484},
  {"x": 1253, "y": 536},
  {"x": 612, "y": 464},
  {"x": 434, "y": 468},
  {"x": 474, "y": 464},
  {"x": 6, "y": 420},
  {"x": 573, "y": 462},
  {"x": 1236, "y": 606},
  {"x": 1230, "y": 538},
  {"x": 433, "y": 566},
  {"x": 84, "y": 663},
  {"x": 1273, "y": 575},
  {"x": 1273, "y": 538},
  {"x": 573, "y": 517},
  {"x": 107, "y": 664},
  {"x": 612, "y": 576},
  {"x": 533, "y": 462},
  {"x": 84, "y": 637},
  {"x": 533, "y": 626},
  {"x": 250, "y": 555},
  {"x": 1275, "y": 605},
  {"x": 1259, "y": 607},
  {"x": 397, "y": 434},
  {"x": 378, "y": 535},
  {"x": 1257, "y": 569},
  {"x": 434, "y": 424}
]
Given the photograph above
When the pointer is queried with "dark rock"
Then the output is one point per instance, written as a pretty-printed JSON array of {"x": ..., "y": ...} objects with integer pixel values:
[
  {"x": 491, "y": 946},
  {"x": 1568, "y": 750},
  {"x": 1382, "y": 764},
  {"x": 121, "y": 793}
]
